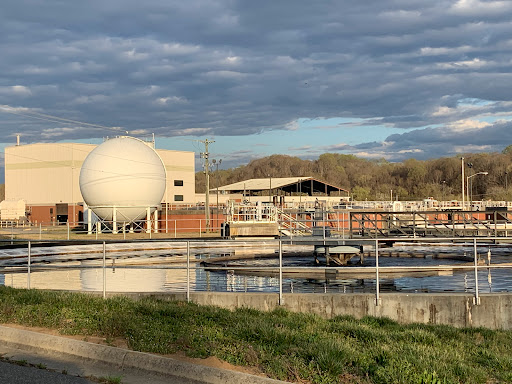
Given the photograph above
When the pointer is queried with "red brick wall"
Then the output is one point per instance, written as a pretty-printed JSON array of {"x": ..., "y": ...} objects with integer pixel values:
[{"x": 41, "y": 214}]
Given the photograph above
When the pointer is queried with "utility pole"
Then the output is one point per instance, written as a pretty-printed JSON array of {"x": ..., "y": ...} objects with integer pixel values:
[
  {"x": 205, "y": 155},
  {"x": 462, "y": 166},
  {"x": 217, "y": 163}
]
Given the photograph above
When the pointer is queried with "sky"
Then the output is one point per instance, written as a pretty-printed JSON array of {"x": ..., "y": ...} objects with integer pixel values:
[{"x": 392, "y": 79}]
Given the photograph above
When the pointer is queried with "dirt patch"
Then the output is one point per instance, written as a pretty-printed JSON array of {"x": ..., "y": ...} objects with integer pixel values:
[{"x": 215, "y": 362}]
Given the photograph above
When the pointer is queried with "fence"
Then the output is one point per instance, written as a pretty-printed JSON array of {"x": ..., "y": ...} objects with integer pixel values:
[
  {"x": 171, "y": 228},
  {"x": 340, "y": 223},
  {"x": 30, "y": 267}
]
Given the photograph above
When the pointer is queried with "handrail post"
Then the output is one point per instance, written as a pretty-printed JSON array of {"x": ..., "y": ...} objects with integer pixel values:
[
  {"x": 377, "y": 288},
  {"x": 414, "y": 224},
  {"x": 495, "y": 226},
  {"x": 350, "y": 226},
  {"x": 477, "y": 297},
  {"x": 281, "y": 302},
  {"x": 28, "y": 265},
  {"x": 188, "y": 271},
  {"x": 323, "y": 222},
  {"x": 343, "y": 224},
  {"x": 104, "y": 270}
]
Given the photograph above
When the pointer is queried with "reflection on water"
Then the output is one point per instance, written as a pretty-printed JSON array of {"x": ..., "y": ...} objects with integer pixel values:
[
  {"x": 152, "y": 280},
  {"x": 167, "y": 273}
]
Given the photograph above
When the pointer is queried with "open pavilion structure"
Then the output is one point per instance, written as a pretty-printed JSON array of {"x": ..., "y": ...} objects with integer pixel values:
[{"x": 284, "y": 186}]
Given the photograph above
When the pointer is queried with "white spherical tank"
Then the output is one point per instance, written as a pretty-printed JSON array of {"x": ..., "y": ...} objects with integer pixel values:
[{"x": 124, "y": 173}]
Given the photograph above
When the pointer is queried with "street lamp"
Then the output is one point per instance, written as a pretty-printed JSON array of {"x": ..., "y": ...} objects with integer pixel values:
[
  {"x": 470, "y": 166},
  {"x": 470, "y": 189},
  {"x": 462, "y": 170}
]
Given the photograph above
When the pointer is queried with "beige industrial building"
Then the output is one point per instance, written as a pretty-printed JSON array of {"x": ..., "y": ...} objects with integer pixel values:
[{"x": 46, "y": 177}]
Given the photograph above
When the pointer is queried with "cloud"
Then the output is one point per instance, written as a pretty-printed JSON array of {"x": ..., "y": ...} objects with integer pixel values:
[
  {"x": 475, "y": 63},
  {"x": 56, "y": 133},
  {"x": 170, "y": 100},
  {"x": 232, "y": 68},
  {"x": 464, "y": 125},
  {"x": 15, "y": 90},
  {"x": 437, "y": 142},
  {"x": 304, "y": 148},
  {"x": 478, "y": 7},
  {"x": 338, "y": 147}
]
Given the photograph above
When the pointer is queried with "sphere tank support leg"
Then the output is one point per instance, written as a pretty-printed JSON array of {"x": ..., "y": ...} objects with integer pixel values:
[
  {"x": 114, "y": 219},
  {"x": 148, "y": 220},
  {"x": 155, "y": 219}
]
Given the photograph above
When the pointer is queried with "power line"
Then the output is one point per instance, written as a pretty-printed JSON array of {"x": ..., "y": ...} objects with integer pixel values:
[
  {"x": 60, "y": 120},
  {"x": 55, "y": 119}
]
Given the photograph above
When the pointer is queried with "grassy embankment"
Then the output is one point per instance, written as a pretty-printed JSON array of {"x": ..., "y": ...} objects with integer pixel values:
[{"x": 284, "y": 345}]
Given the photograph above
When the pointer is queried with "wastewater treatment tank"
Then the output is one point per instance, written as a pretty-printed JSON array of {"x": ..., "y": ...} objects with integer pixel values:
[{"x": 124, "y": 174}]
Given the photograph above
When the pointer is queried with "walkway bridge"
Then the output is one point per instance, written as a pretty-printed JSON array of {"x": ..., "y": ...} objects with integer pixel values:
[
  {"x": 489, "y": 223},
  {"x": 364, "y": 224}
]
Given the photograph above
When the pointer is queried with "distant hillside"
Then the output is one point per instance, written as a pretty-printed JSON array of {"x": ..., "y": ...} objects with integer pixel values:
[
  {"x": 2, "y": 192},
  {"x": 374, "y": 179}
]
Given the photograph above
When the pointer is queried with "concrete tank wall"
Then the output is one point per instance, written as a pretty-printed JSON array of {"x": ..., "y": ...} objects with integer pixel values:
[{"x": 459, "y": 310}]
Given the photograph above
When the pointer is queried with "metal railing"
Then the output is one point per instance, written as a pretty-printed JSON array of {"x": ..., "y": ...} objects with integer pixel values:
[
  {"x": 340, "y": 223},
  {"x": 173, "y": 228},
  {"x": 252, "y": 213},
  {"x": 30, "y": 267}
]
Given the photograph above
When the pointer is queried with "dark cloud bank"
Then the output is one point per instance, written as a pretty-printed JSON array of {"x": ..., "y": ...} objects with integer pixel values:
[{"x": 241, "y": 67}]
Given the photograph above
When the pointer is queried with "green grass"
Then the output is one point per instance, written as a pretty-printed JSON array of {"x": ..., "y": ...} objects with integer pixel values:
[
  {"x": 284, "y": 345},
  {"x": 110, "y": 380}
]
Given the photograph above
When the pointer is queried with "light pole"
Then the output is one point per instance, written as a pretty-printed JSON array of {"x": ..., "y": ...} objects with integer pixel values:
[
  {"x": 470, "y": 189},
  {"x": 72, "y": 185},
  {"x": 462, "y": 166},
  {"x": 443, "y": 187},
  {"x": 470, "y": 166}
]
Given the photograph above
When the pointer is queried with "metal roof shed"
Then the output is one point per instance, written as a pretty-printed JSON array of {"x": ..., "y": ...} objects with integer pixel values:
[{"x": 287, "y": 185}]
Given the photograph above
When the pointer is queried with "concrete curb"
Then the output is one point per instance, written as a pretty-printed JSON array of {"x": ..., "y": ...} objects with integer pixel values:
[{"x": 125, "y": 359}]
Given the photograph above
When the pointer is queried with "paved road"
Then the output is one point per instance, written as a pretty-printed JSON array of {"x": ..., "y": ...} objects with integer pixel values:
[
  {"x": 11, "y": 373},
  {"x": 88, "y": 362},
  {"x": 77, "y": 369}
]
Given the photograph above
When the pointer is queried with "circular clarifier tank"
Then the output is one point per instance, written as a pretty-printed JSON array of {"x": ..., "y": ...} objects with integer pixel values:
[{"x": 124, "y": 173}]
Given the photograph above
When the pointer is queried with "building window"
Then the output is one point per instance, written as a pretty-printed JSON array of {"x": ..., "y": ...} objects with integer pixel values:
[
  {"x": 178, "y": 183},
  {"x": 178, "y": 197}
]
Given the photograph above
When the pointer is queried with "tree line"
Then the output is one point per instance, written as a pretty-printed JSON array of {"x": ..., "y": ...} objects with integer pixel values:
[{"x": 379, "y": 179}]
